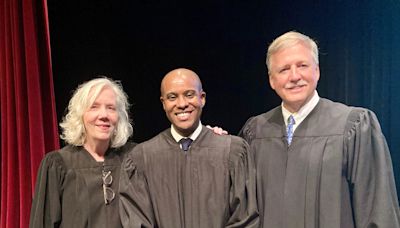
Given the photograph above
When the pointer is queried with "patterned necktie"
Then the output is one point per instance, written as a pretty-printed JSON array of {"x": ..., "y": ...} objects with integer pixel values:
[
  {"x": 289, "y": 129},
  {"x": 185, "y": 142}
]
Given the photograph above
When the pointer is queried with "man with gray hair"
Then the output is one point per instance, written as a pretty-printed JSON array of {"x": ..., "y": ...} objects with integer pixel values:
[{"x": 319, "y": 163}]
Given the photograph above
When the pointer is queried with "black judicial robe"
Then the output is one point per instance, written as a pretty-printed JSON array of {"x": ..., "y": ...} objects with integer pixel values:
[
  {"x": 212, "y": 185},
  {"x": 337, "y": 172},
  {"x": 69, "y": 191}
]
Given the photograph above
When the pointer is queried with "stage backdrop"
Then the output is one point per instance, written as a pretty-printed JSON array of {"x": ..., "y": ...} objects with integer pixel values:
[
  {"x": 225, "y": 42},
  {"x": 27, "y": 105}
]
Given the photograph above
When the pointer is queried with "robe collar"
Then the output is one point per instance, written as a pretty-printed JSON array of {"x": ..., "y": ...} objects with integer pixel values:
[
  {"x": 193, "y": 136},
  {"x": 303, "y": 111}
]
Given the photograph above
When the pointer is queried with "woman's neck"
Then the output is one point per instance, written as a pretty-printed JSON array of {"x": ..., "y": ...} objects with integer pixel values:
[{"x": 97, "y": 150}]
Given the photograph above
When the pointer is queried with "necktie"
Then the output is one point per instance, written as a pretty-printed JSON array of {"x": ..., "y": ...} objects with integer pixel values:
[
  {"x": 289, "y": 129},
  {"x": 185, "y": 142}
]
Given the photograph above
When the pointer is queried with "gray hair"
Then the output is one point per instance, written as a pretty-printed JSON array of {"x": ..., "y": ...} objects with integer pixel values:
[
  {"x": 73, "y": 129},
  {"x": 290, "y": 39}
]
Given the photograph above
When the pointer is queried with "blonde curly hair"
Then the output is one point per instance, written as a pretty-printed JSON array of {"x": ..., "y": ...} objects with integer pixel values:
[{"x": 73, "y": 129}]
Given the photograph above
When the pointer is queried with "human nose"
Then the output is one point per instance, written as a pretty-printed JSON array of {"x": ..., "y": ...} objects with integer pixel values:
[
  {"x": 294, "y": 74},
  {"x": 182, "y": 102},
  {"x": 103, "y": 112}
]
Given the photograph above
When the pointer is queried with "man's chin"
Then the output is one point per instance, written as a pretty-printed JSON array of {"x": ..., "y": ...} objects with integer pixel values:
[{"x": 185, "y": 130}]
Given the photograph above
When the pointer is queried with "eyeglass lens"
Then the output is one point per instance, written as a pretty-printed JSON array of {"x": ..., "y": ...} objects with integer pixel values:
[{"x": 108, "y": 192}]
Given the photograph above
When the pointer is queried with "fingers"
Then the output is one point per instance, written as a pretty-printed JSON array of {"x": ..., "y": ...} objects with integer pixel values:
[{"x": 217, "y": 130}]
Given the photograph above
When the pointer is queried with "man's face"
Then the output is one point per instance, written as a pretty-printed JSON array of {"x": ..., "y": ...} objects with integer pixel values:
[
  {"x": 183, "y": 100},
  {"x": 294, "y": 76}
]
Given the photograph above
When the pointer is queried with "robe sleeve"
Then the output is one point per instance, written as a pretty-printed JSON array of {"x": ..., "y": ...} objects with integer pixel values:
[
  {"x": 246, "y": 131},
  {"x": 46, "y": 206},
  {"x": 242, "y": 200},
  {"x": 135, "y": 205},
  {"x": 370, "y": 173}
]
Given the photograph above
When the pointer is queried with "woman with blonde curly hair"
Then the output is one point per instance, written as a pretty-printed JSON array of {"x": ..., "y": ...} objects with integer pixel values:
[{"x": 77, "y": 186}]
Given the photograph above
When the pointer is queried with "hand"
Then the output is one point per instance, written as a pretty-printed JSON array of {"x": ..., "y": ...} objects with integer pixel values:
[{"x": 217, "y": 130}]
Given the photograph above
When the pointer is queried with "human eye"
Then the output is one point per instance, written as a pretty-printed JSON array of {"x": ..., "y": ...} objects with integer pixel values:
[
  {"x": 190, "y": 94},
  {"x": 283, "y": 69},
  {"x": 303, "y": 65},
  {"x": 171, "y": 97},
  {"x": 111, "y": 107},
  {"x": 94, "y": 106}
]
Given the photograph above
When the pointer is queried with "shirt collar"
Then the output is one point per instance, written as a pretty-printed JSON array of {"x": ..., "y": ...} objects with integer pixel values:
[
  {"x": 193, "y": 136},
  {"x": 303, "y": 111}
]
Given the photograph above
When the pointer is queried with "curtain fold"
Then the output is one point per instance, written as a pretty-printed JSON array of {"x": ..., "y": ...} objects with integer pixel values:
[{"x": 27, "y": 105}]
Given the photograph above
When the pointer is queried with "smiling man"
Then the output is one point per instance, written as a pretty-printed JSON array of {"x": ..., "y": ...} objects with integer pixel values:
[
  {"x": 183, "y": 99},
  {"x": 319, "y": 163},
  {"x": 187, "y": 176}
]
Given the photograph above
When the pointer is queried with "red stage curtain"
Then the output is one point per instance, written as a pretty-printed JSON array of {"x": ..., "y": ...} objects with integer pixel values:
[{"x": 27, "y": 107}]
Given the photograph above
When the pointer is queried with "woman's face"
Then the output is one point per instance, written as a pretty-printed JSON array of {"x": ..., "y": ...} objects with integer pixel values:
[{"x": 101, "y": 118}]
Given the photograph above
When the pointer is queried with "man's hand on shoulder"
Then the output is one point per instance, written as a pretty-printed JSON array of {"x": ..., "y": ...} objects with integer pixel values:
[{"x": 217, "y": 130}]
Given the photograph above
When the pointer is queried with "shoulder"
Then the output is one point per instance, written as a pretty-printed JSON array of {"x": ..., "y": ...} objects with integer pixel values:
[
  {"x": 234, "y": 144},
  {"x": 263, "y": 125},
  {"x": 69, "y": 154},
  {"x": 326, "y": 105},
  {"x": 360, "y": 113},
  {"x": 351, "y": 113},
  {"x": 129, "y": 146},
  {"x": 235, "y": 148},
  {"x": 63, "y": 153},
  {"x": 264, "y": 117},
  {"x": 133, "y": 159},
  {"x": 53, "y": 158},
  {"x": 349, "y": 116},
  {"x": 238, "y": 152},
  {"x": 208, "y": 139},
  {"x": 362, "y": 116},
  {"x": 327, "y": 118},
  {"x": 53, "y": 161},
  {"x": 238, "y": 142},
  {"x": 154, "y": 143},
  {"x": 222, "y": 140},
  {"x": 135, "y": 152}
]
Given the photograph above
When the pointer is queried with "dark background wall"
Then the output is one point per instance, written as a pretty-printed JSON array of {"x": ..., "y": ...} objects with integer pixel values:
[{"x": 225, "y": 42}]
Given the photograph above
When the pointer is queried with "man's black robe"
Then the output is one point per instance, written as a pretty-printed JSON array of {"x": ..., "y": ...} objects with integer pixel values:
[
  {"x": 211, "y": 185},
  {"x": 337, "y": 172}
]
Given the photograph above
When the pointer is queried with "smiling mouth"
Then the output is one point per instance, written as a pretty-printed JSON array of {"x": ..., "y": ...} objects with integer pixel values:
[
  {"x": 183, "y": 115},
  {"x": 296, "y": 87},
  {"x": 104, "y": 127}
]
